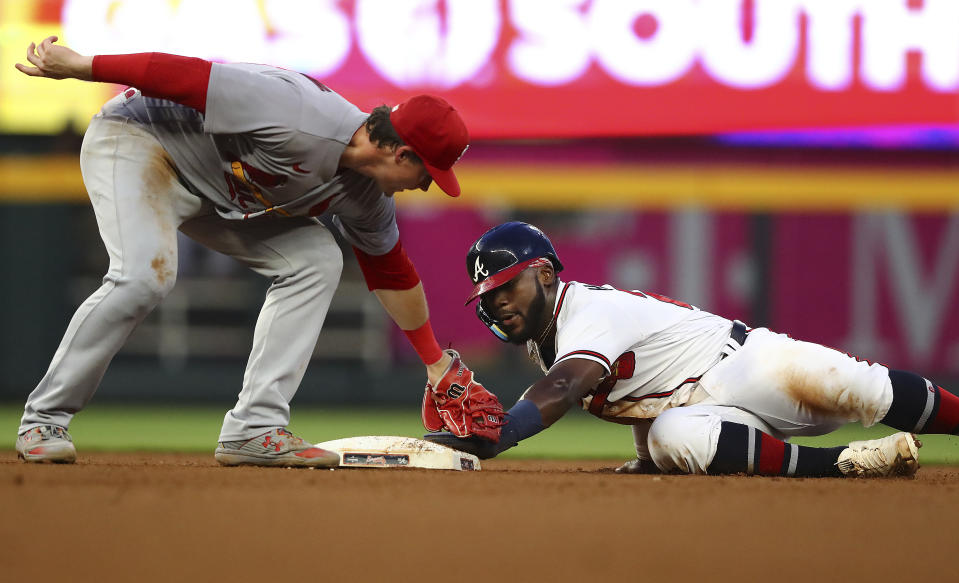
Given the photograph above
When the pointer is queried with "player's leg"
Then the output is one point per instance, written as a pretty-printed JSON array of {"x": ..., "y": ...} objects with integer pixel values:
[
  {"x": 137, "y": 201},
  {"x": 920, "y": 406},
  {"x": 744, "y": 449},
  {"x": 799, "y": 388},
  {"x": 802, "y": 388},
  {"x": 304, "y": 262},
  {"x": 725, "y": 440}
]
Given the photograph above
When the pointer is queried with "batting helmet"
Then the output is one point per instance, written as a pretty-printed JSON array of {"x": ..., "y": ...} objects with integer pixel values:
[{"x": 499, "y": 256}]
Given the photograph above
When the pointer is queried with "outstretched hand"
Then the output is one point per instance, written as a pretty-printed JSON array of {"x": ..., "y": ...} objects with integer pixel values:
[
  {"x": 638, "y": 466},
  {"x": 482, "y": 448},
  {"x": 56, "y": 62}
]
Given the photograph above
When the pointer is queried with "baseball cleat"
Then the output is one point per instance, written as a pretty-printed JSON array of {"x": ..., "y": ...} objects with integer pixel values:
[
  {"x": 46, "y": 443},
  {"x": 277, "y": 447},
  {"x": 895, "y": 455}
]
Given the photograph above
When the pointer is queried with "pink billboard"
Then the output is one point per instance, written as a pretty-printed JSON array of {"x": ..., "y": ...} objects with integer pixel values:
[{"x": 883, "y": 286}]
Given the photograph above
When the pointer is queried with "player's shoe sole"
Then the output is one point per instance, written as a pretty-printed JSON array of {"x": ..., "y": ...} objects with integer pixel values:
[
  {"x": 46, "y": 444},
  {"x": 895, "y": 455},
  {"x": 276, "y": 448}
]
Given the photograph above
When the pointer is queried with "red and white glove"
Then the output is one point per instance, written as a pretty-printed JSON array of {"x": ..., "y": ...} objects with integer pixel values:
[{"x": 461, "y": 404}]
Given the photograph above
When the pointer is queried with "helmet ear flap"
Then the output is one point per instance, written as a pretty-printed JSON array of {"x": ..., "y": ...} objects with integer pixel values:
[{"x": 490, "y": 322}]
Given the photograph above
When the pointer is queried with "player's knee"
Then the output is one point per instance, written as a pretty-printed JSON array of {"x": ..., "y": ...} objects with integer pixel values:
[
  {"x": 318, "y": 268},
  {"x": 664, "y": 441},
  {"x": 330, "y": 263},
  {"x": 679, "y": 441},
  {"x": 319, "y": 261},
  {"x": 143, "y": 292}
]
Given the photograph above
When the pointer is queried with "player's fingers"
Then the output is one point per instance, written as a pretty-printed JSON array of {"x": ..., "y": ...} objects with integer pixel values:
[
  {"x": 45, "y": 43},
  {"x": 31, "y": 52},
  {"x": 44, "y": 46},
  {"x": 630, "y": 467},
  {"x": 32, "y": 71}
]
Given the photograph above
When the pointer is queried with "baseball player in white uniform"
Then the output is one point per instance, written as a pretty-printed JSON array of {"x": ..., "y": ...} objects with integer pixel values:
[
  {"x": 244, "y": 159},
  {"x": 703, "y": 394}
]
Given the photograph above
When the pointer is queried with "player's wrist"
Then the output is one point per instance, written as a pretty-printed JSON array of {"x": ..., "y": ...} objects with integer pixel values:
[
  {"x": 438, "y": 369},
  {"x": 424, "y": 343},
  {"x": 80, "y": 67},
  {"x": 638, "y": 466},
  {"x": 522, "y": 421}
]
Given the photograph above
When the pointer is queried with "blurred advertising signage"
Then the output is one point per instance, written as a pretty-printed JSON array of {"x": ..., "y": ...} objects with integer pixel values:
[
  {"x": 885, "y": 285},
  {"x": 541, "y": 68}
]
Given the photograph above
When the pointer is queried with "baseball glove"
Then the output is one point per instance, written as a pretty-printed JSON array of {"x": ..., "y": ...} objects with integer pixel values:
[{"x": 461, "y": 404}]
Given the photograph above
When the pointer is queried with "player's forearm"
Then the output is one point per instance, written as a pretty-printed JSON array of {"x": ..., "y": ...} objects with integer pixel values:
[
  {"x": 78, "y": 66},
  {"x": 181, "y": 79},
  {"x": 393, "y": 279},
  {"x": 563, "y": 387},
  {"x": 406, "y": 307},
  {"x": 553, "y": 399},
  {"x": 409, "y": 310}
]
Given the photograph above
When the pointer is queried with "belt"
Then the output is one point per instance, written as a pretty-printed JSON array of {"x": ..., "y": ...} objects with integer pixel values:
[
  {"x": 737, "y": 337},
  {"x": 739, "y": 332}
]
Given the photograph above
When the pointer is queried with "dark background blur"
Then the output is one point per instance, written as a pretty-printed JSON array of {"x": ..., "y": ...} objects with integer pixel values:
[{"x": 825, "y": 211}]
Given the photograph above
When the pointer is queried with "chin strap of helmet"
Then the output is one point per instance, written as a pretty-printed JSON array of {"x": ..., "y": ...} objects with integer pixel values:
[{"x": 490, "y": 322}]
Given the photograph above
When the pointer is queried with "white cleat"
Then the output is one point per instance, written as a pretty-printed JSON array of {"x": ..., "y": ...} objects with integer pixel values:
[
  {"x": 896, "y": 455},
  {"x": 46, "y": 443},
  {"x": 277, "y": 447}
]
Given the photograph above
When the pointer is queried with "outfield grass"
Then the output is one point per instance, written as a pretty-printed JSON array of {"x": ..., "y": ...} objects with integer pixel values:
[{"x": 195, "y": 429}]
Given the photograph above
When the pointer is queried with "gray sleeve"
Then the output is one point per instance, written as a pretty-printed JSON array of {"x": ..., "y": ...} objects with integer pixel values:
[
  {"x": 244, "y": 98},
  {"x": 373, "y": 231}
]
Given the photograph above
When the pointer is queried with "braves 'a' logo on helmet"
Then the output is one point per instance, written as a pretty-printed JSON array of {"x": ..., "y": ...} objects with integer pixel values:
[
  {"x": 478, "y": 270},
  {"x": 455, "y": 391}
]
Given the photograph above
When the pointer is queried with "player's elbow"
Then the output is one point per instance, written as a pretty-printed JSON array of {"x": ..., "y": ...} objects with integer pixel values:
[{"x": 565, "y": 392}]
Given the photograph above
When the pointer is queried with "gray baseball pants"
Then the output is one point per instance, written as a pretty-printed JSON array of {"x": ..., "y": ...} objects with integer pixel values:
[{"x": 139, "y": 205}]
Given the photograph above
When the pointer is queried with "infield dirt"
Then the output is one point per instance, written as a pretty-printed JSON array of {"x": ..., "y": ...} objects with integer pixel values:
[{"x": 166, "y": 517}]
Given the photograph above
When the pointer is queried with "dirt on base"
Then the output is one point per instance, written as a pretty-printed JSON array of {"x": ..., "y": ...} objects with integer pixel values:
[{"x": 162, "y": 517}]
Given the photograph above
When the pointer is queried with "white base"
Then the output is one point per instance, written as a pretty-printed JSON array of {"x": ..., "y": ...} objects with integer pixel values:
[{"x": 390, "y": 451}]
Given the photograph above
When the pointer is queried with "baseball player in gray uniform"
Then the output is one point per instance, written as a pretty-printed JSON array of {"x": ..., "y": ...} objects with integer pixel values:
[
  {"x": 244, "y": 159},
  {"x": 703, "y": 394}
]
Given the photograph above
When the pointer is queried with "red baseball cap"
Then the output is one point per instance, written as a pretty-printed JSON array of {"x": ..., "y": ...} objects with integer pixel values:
[{"x": 436, "y": 132}]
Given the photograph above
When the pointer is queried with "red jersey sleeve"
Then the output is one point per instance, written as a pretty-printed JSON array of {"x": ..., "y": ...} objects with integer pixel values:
[
  {"x": 180, "y": 79},
  {"x": 393, "y": 270}
]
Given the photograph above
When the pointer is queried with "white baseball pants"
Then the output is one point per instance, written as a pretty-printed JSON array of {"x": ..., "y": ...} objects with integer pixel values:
[{"x": 778, "y": 385}]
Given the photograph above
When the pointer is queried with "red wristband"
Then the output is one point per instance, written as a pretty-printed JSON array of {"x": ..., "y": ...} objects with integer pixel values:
[{"x": 425, "y": 343}]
